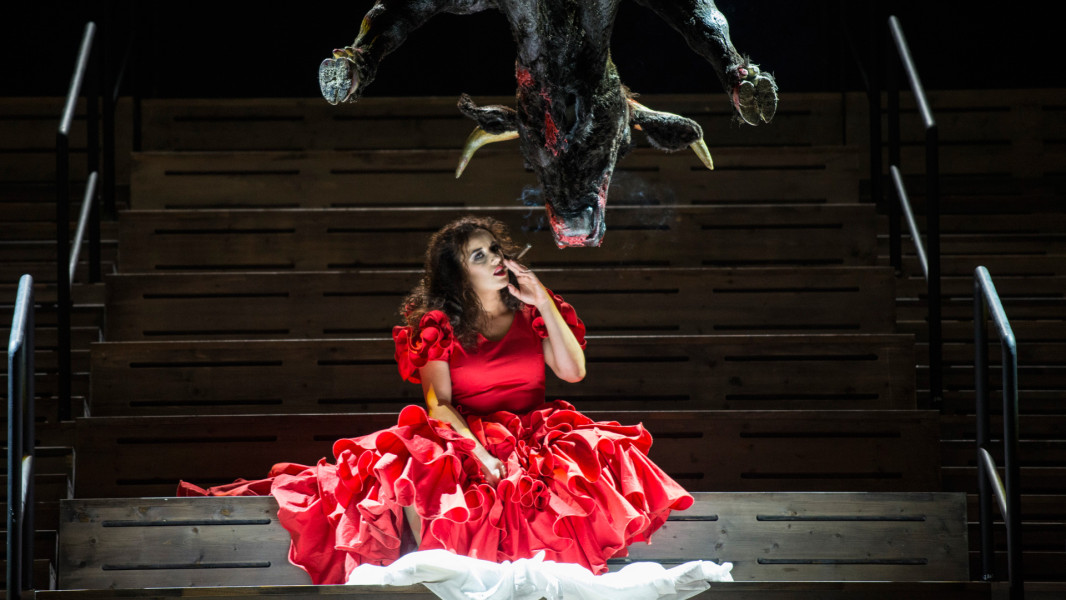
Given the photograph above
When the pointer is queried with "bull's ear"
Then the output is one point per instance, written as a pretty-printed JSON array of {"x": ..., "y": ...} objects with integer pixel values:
[
  {"x": 494, "y": 118},
  {"x": 495, "y": 123},
  {"x": 669, "y": 132}
]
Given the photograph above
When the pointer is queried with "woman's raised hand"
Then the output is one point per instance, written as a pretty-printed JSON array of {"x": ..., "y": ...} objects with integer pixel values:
[{"x": 529, "y": 289}]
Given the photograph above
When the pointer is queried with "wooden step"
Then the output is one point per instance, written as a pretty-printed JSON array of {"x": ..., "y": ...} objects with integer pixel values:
[
  {"x": 495, "y": 176},
  {"x": 963, "y": 427},
  {"x": 1017, "y": 265},
  {"x": 45, "y": 251},
  {"x": 624, "y": 373},
  {"x": 1037, "y": 480},
  {"x": 44, "y": 574},
  {"x": 29, "y": 139},
  {"x": 302, "y": 124},
  {"x": 961, "y": 331},
  {"x": 854, "y": 536},
  {"x": 44, "y": 271},
  {"x": 610, "y": 301},
  {"x": 27, "y": 230},
  {"x": 1030, "y": 452},
  {"x": 740, "y": 590},
  {"x": 1035, "y": 508},
  {"x": 1007, "y": 286},
  {"x": 703, "y": 450},
  {"x": 323, "y": 239},
  {"x": 1002, "y": 223}
]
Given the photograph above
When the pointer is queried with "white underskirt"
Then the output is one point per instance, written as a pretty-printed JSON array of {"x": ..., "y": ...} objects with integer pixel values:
[{"x": 454, "y": 577}]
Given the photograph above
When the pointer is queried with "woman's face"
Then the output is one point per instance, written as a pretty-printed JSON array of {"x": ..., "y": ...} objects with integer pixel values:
[{"x": 484, "y": 262}]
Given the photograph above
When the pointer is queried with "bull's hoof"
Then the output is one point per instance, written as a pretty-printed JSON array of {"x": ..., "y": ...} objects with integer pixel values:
[
  {"x": 755, "y": 96},
  {"x": 338, "y": 79}
]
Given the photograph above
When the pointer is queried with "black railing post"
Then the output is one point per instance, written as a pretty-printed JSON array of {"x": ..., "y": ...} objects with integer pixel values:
[
  {"x": 137, "y": 23},
  {"x": 891, "y": 69},
  {"x": 1013, "y": 518},
  {"x": 932, "y": 233},
  {"x": 877, "y": 180},
  {"x": 63, "y": 279},
  {"x": 984, "y": 486},
  {"x": 62, "y": 273},
  {"x": 20, "y": 443},
  {"x": 92, "y": 122},
  {"x": 109, "y": 89},
  {"x": 932, "y": 209},
  {"x": 987, "y": 303}
]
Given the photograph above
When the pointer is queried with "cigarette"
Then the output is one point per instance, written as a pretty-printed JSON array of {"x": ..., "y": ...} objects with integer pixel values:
[{"x": 523, "y": 252}]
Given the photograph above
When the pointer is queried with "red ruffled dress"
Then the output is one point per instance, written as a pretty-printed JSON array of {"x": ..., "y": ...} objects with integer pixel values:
[{"x": 579, "y": 490}]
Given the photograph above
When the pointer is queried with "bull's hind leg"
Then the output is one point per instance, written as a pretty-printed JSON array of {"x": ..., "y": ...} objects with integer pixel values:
[
  {"x": 386, "y": 25},
  {"x": 752, "y": 92}
]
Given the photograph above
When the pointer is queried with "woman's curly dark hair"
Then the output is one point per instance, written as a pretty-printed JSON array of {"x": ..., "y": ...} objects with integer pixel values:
[{"x": 445, "y": 286}]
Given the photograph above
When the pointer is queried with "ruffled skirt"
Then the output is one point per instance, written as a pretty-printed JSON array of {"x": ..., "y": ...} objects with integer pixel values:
[{"x": 578, "y": 490}]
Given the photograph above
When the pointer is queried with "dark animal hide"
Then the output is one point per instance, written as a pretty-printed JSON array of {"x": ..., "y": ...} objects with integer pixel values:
[{"x": 574, "y": 116}]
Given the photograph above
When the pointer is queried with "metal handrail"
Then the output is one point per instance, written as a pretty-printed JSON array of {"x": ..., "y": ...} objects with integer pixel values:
[
  {"x": 20, "y": 444},
  {"x": 912, "y": 225},
  {"x": 64, "y": 269},
  {"x": 87, "y": 206},
  {"x": 986, "y": 303},
  {"x": 930, "y": 254}
]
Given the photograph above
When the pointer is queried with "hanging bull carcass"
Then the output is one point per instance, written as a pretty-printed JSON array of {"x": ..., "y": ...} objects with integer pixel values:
[{"x": 573, "y": 117}]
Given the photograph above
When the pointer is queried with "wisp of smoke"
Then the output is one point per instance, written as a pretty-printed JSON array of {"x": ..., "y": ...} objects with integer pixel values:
[{"x": 536, "y": 219}]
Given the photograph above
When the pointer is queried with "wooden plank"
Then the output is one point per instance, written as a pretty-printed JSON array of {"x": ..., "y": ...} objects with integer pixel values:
[
  {"x": 777, "y": 536},
  {"x": 1017, "y": 309},
  {"x": 46, "y": 230},
  {"x": 184, "y": 542},
  {"x": 1035, "y": 507},
  {"x": 610, "y": 301},
  {"x": 963, "y": 427},
  {"x": 43, "y": 572},
  {"x": 996, "y": 224},
  {"x": 1016, "y": 265},
  {"x": 847, "y": 537},
  {"x": 44, "y": 250},
  {"x": 44, "y": 544},
  {"x": 1012, "y": 133},
  {"x": 310, "y": 124},
  {"x": 45, "y": 271},
  {"x": 703, "y": 450},
  {"x": 28, "y": 127},
  {"x": 317, "y": 239},
  {"x": 962, "y": 331},
  {"x": 1037, "y": 480},
  {"x": 1030, "y": 452},
  {"x": 740, "y": 590},
  {"x": 664, "y": 372},
  {"x": 1019, "y": 244},
  {"x": 1008, "y": 286},
  {"x": 495, "y": 176}
]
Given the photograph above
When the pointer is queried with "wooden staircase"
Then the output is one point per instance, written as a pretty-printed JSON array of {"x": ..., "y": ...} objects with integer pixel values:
[{"x": 755, "y": 299}]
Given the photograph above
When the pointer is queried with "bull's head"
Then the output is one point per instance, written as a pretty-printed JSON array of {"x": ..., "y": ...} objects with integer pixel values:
[
  {"x": 572, "y": 143},
  {"x": 574, "y": 118}
]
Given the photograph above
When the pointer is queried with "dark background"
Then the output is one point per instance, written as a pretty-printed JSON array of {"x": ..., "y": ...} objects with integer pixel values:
[{"x": 220, "y": 48}]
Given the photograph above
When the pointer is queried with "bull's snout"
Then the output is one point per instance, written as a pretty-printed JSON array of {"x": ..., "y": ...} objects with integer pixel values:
[{"x": 582, "y": 228}]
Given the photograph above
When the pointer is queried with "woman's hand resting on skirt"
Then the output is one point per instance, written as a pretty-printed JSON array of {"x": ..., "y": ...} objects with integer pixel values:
[{"x": 491, "y": 466}]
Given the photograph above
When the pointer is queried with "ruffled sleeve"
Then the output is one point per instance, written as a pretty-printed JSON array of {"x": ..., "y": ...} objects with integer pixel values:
[
  {"x": 433, "y": 341},
  {"x": 569, "y": 316}
]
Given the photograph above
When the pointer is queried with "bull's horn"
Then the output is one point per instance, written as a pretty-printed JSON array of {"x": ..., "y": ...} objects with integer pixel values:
[
  {"x": 700, "y": 148},
  {"x": 478, "y": 138}
]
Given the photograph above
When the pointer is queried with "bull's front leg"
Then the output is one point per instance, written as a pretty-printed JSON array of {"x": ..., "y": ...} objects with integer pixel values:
[
  {"x": 752, "y": 92},
  {"x": 343, "y": 77}
]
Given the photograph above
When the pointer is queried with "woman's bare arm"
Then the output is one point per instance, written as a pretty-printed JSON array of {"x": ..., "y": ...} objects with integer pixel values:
[
  {"x": 562, "y": 351},
  {"x": 437, "y": 388}
]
